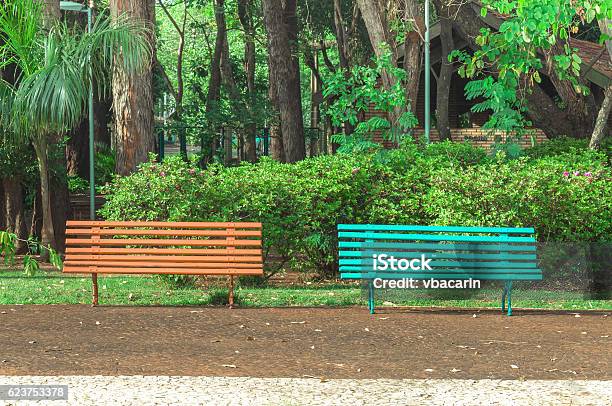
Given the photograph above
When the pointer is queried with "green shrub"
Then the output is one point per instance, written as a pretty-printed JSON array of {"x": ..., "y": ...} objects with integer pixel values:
[{"x": 562, "y": 202}]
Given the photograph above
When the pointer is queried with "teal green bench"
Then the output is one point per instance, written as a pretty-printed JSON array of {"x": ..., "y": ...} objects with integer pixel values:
[{"x": 444, "y": 253}]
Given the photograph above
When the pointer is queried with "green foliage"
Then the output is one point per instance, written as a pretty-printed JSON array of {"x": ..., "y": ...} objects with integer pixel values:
[
  {"x": 301, "y": 204},
  {"x": 8, "y": 243},
  {"x": 104, "y": 170},
  {"x": 358, "y": 92},
  {"x": 530, "y": 29},
  {"x": 56, "y": 66},
  {"x": 178, "y": 281},
  {"x": 76, "y": 184}
]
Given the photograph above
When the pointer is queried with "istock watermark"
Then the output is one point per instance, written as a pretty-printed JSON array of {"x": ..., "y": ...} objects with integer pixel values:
[
  {"x": 419, "y": 265},
  {"x": 384, "y": 262}
]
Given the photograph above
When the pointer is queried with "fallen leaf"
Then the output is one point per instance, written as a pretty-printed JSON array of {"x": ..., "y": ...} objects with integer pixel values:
[
  {"x": 366, "y": 329},
  {"x": 298, "y": 322},
  {"x": 382, "y": 318},
  {"x": 31, "y": 342},
  {"x": 576, "y": 315},
  {"x": 317, "y": 330},
  {"x": 429, "y": 370},
  {"x": 215, "y": 341},
  {"x": 229, "y": 366},
  {"x": 312, "y": 347},
  {"x": 584, "y": 332},
  {"x": 2, "y": 312},
  {"x": 241, "y": 326},
  {"x": 250, "y": 338},
  {"x": 196, "y": 311},
  {"x": 358, "y": 369},
  {"x": 267, "y": 324},
  {"x": 420, "y": 337},
  {"x": 514, "y": 366},
  {"x": 604, "y": 336},
  {"x": 474, "y": 315},
  {"x": 455, "y": 370}
]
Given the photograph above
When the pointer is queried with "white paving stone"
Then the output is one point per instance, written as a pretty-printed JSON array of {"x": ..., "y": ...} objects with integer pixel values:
[{"x": 185, "y": 390}]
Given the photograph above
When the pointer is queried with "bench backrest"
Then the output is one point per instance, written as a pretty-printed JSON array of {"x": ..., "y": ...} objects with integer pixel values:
[
  {"x": 163, "y": 247},
  {"x": 490, "y": 253}
]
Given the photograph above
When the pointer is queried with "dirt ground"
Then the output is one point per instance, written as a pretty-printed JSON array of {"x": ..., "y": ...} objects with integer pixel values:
[{"x": 302, "y": 342}]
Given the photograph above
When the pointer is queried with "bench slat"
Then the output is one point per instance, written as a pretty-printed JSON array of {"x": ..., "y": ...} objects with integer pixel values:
[
  {"x": 169, "y": 271},
  {"x": 450, "y": 264},
  {"x": 163, "y": 251},
  {"x": 441, "y": 229},
  {"x": 447, "y": 275},
  {"x": 432, "y": 237},
  {"x": 152, "y": 264},
  {"x": 182, "y": 233},
  {"x": 161, "y": 224},
  {"x": 164, "y": 242},
  {"x": 166, "y": 258},
  {"x": 440, "y": 255},
  {"x": 437, "y": 246}
]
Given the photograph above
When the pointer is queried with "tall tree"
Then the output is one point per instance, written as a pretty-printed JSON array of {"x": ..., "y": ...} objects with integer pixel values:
[
  {"x": 281, "y": 26},
  {"x": 245, "y": 14},
  {"x": 601, "y": 123},
  {"x": 379, "y": 17},
  {"x": 52, "y": 90},
  {"x": 178, "y": 91},
  {"x": 443, "y": 82},
  {"x": 133, "y": 97},
  {"x": 214, "y": 83}
]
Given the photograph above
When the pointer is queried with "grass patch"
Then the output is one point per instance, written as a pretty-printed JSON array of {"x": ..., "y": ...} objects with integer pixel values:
[{"x": 57, "y": 288}]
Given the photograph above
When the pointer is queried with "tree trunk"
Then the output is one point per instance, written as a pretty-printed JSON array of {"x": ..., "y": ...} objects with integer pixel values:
[
  {"x": 36, "y": 221},
  {"x": 277, "y": 151},
  {"x": 245, "y": 15},
  {"x": 374, "y": 15},
  {"x": 51, "y": 12},
  {"x": 214, "y": 82},
  {"x": 60, "y": 196},
  {"x": 281, "y": 27},
  {"x": 133, "y": 98},
  {"x": 412, "y": 53},
  {"x": 601, "y": 123},
  {"x": 48, "y": 231},
  {"x": 446, "y": 73},
  {"x": 14, "y": 210}
]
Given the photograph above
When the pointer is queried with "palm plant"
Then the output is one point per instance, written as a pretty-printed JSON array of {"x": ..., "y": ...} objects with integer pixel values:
[{"x": 54, "y": 65}]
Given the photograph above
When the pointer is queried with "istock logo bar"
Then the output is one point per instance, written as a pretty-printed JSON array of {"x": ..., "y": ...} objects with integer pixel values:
[{"x": 384, "y": 262}]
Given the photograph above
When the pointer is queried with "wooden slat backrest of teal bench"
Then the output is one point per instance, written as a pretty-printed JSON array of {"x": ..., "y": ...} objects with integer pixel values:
[{"x": 486, "y": 253}]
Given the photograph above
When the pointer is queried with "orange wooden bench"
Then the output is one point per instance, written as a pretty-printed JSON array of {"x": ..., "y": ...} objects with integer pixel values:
[{"x": 154, "y": 247}]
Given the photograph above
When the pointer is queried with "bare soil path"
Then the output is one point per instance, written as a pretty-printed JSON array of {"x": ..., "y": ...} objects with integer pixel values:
[{"x": 301, "y": 342}]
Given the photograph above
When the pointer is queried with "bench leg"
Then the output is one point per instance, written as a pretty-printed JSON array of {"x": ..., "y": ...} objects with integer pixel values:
[
  {"x": 231, "y": 292},
  {"x": 510, "y": 298},
  {"x": 94, "y": 282},
  {"x": 504, "y": 294},
  {"x": 371, "y": 297}
]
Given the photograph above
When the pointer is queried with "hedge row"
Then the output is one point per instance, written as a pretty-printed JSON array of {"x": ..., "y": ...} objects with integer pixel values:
[{"x": 566, "y": 196}]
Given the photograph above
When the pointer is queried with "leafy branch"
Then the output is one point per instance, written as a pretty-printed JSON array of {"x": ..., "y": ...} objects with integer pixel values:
[{"x": 8, "y": 244}]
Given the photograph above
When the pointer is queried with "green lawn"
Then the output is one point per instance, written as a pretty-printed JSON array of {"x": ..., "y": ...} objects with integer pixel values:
[{"x": 56, "y": 288}]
